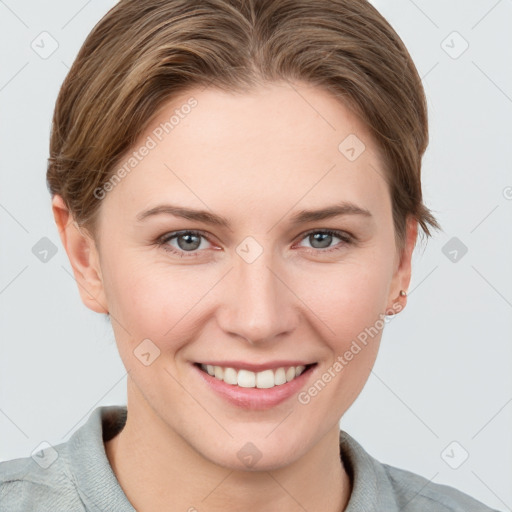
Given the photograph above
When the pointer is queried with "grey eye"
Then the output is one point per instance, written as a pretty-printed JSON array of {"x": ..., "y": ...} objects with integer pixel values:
[
  {"x": 188, "y": 241},
  {"x": 320, "y": 240}
]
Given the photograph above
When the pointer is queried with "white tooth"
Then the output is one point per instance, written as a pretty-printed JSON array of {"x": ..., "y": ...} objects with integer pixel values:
[
  {"x": 265, "y": 379},
  {"x": 279, "y": 377},
  {"x": 246, "y": 379},
  {"x": 219, "y": 372},
  {"x": 290, "y": 373},
  {"x": 230, "y": 376}
]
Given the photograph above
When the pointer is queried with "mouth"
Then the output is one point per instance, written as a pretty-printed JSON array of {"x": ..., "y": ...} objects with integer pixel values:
[
  {"x": 265, "y": 379},
  {"x": 255, "y": 387}
]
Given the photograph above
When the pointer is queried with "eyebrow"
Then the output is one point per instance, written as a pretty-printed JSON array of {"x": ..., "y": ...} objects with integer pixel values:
[{"x": 301, "y": 217}]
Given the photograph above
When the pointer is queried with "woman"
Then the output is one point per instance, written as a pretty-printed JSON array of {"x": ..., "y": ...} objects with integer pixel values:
[{"x": 237, "y": 186}]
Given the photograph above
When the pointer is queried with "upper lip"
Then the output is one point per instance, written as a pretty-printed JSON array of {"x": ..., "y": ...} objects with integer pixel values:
[{"x": 242, "y": 365}]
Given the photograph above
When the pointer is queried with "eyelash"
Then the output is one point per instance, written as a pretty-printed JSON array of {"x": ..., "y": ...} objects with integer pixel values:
[{"x": 162, "y": 241}]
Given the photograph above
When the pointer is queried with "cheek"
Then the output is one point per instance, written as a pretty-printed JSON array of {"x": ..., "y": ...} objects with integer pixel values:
[
  {"x": 350, "y": 306},
  {"x": 348, "y": 296},
  {"x": 350, "y": 300},
  {"x": 154, "y": 300}
]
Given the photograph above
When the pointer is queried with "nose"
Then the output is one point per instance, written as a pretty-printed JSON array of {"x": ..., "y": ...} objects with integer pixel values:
[{"x": 258, "y": 304}]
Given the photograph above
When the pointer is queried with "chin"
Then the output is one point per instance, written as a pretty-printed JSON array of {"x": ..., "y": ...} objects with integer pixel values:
[{"x": 256, "y": 452}]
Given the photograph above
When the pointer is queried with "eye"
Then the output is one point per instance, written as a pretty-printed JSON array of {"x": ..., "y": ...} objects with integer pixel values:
[
  {"x": 189, "y": 243},
  {"x": 321, "y": 239},
  {"x": 184, "y": 242}
]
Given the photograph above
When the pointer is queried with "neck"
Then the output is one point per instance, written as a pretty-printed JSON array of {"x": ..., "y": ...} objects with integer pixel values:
[{"x": 159, "y": 471}]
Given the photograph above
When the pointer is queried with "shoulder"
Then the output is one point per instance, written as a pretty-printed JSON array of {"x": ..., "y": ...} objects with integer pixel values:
[
  {"x": 73, "y": 476},
  {"x": 416, "y": 493},
  {"x": 377, "y": 486},
  {"x": 45, "y": 485}
]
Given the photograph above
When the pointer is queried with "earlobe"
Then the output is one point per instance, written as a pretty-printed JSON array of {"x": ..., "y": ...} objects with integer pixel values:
[
  {"x": 397, "y": 299},
  {"x": 83, "y": 257}
]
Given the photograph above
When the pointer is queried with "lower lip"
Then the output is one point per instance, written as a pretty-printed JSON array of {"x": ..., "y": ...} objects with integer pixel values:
[{"x": 255, "y": 398}]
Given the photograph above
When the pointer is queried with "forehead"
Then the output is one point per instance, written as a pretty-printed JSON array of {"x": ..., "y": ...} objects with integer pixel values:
[{"x": 276, "y": 145}]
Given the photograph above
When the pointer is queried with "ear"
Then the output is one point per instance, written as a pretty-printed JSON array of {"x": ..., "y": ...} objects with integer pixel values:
[
  {"x": 83, "y": 256},
  {"x": 402, "y": 275}
]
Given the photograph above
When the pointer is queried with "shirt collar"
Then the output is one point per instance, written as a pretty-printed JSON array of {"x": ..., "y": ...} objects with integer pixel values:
[
  {"x": 95, "y": 480},
  {"x": 371, "y": 488}
]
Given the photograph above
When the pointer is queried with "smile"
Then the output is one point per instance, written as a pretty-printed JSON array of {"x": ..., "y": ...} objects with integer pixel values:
[{"x": 248, "y": 379}]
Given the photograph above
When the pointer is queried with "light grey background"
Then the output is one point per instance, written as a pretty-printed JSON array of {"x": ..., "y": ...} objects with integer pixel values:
[{"x": 444, "y": 371}]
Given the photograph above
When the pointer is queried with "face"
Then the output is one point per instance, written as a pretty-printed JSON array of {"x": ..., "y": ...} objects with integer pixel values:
[{"x": 253, "y": 241}]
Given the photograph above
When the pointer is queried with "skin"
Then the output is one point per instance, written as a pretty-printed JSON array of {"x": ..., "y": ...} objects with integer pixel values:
[{"x": 270, "y": 154}]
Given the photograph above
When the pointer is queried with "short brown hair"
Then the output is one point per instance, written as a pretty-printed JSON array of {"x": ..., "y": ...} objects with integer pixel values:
[{"x": 142, "y": 53}]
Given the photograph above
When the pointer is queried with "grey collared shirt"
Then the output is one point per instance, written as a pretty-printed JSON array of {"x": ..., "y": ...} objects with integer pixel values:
[{"x": 76, "y": 476}]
